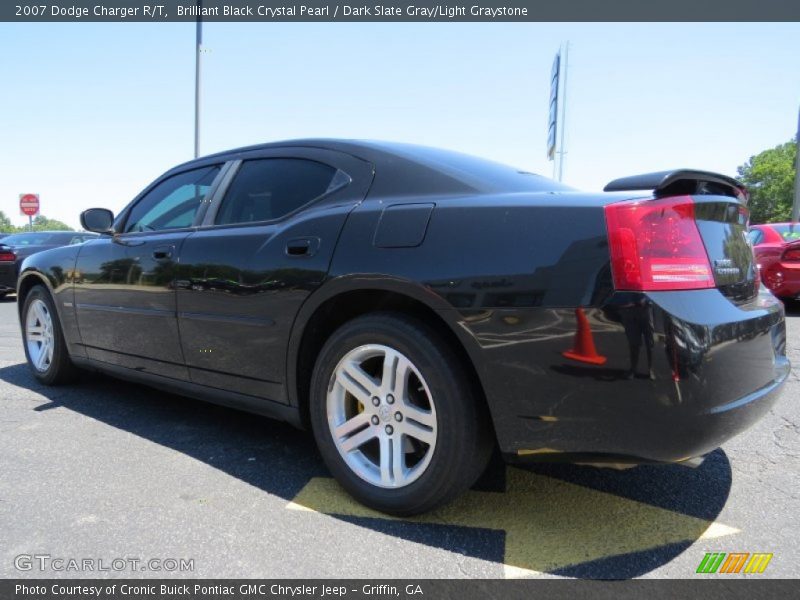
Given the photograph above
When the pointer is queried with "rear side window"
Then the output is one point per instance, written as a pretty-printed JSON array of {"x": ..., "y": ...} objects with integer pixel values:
[
  {"x": 173, "y": 203},
  {"x": 271, "y": 188}
]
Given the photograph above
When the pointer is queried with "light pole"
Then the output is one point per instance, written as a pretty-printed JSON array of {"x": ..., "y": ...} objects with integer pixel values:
[
  {"x": 796, "y": 206},
  {"x": 198, "y": 49}
]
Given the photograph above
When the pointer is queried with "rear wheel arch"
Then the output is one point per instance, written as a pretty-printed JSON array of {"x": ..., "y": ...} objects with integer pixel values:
[
  {"x": 316, "y": 324},
  {"x": 395, "y": 416}
]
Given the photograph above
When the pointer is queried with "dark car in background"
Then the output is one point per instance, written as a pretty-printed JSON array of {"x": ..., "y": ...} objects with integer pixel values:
[
  {"x": 417, "y": 307},
  {"x": 15, "y": 247},
  {"x": 777, "y": 250}
]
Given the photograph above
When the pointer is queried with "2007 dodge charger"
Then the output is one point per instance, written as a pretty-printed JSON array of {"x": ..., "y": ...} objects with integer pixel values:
[{"x": 417, "y": 307}]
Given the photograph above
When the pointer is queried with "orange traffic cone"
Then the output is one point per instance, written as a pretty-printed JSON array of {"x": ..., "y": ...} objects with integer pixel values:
[{"x": 583, "y": 349}]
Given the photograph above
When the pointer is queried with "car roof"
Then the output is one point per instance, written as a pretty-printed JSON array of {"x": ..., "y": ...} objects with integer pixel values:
[
  {"x": 402, "y": 168},
  {"x": 371, "y": 150}
]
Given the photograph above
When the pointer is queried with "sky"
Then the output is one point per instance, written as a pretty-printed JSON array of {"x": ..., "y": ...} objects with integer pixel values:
[{"x": 91, "y": 113}]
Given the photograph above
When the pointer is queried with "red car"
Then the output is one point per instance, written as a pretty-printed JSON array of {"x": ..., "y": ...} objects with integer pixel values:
[{"x": 777, "y": 250}]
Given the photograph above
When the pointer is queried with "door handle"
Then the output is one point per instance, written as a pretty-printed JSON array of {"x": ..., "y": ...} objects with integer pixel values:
[
  {"x": 130, "y": 243},
  {"x": 162, "y": 253},
  {"x": 307, "y": 246}
]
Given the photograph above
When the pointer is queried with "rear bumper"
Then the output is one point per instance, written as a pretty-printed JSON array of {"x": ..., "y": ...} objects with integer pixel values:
[
  {"x": 674, "y": 375},
  {"x": 783, "y": 279},
  {"x": 8, "y": 277}
]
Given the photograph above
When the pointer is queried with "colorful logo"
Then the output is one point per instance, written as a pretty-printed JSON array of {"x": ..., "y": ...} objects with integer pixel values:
[{"x": 735, "y": 562}]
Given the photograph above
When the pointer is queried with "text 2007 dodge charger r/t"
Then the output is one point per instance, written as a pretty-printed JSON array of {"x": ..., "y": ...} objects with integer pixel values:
[{"x": 413, "y": 307}]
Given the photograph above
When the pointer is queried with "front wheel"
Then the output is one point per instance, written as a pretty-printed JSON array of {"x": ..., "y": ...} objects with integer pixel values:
[
  {"x": 395, "y": 415},
  {"x": 45, "y": 348}
]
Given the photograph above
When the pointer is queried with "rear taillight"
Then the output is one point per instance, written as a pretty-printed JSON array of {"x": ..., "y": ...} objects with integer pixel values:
[
  {"x": 791, "y": 255},
  {"x": 7, "y": 257},
  {"x": 655, "y": 245}
]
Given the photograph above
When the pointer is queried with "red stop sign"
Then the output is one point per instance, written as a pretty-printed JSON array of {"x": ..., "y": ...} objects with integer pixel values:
[{"x": 29, "y": 204}]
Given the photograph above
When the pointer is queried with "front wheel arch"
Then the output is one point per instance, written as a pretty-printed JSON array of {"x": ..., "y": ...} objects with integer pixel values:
[
  {"x": 28, "y": 281},
  {"x": 60, "y": 368}
]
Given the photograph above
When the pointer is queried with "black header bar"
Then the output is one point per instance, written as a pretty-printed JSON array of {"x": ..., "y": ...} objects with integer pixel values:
[
  {"x": 423, "y": 589},
  {"x": 259, "y": 11}
]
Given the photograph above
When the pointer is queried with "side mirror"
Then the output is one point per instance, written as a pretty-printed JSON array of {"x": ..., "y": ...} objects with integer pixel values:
[{"x": 98, "y": 220}]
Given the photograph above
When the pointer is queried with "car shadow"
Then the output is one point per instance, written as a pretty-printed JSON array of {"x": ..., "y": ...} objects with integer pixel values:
[
  {"x": 8, "y": 298},
  {"x": 569, "y": 520}
]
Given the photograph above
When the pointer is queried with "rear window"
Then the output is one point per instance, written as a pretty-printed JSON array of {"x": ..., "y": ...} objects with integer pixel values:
[
  {"x": 27, "y": 239},
  {"x": 479, "y": 173},
  {"x": 789, "y": 233}
]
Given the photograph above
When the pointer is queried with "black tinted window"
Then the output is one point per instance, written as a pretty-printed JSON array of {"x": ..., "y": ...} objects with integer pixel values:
[
  {"x": 173, "y": 203},
  {"x": 28, "y": 239},
  {"x": 478, "y": 173},
  {"x": 270, "y": 188}
]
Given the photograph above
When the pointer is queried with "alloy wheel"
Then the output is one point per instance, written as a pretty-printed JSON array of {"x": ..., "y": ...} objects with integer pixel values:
[
  {"x": 381, "y": 416},
  {"x": 39, "y": 335}
]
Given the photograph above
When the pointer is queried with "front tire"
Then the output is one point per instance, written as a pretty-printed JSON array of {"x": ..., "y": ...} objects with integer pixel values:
[
  {"x": 395, "y": 415},
  {"x": 43, "y": 339}
]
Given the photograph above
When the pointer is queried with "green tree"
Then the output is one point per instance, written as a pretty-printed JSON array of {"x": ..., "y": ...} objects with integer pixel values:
[
  {"x": 5, "y": 224},
  {"x": 42, "y": 223},
  {"x": 769, "y": 177}
]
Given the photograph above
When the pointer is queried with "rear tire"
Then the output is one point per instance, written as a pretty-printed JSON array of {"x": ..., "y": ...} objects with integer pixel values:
[
  {"x": 396, "y": 416},
  {"x": 43, "y": 339}
]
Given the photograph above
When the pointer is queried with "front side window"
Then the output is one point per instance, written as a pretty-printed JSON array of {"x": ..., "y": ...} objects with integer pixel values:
[
  {"x": 267, "y": 189},
  {"x": 173, "y": 203},
  {"x": 79, "y": 239},
  {"x": 756, "y": 236}
]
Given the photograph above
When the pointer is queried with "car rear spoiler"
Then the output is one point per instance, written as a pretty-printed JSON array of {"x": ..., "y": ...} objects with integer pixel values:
[{"x": 681, "y": 181}]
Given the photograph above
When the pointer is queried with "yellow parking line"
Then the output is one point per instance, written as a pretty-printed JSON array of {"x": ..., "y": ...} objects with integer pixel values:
[{"x": 549, "y": 523}]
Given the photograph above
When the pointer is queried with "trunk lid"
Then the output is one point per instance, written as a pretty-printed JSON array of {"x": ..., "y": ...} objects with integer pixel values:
[{"x": 722, "y": 223}]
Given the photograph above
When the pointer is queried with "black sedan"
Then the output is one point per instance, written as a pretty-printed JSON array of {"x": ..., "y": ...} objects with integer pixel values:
[
  {"x": 416, "y": 308},
  {"x": 15, "y": 247}
]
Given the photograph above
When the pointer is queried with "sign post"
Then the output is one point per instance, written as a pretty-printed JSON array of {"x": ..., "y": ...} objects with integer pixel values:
[
  {"x": 558, "y": 111},
  {"x": 552, "y": 117},
  {"x": 29, "y": 206}
]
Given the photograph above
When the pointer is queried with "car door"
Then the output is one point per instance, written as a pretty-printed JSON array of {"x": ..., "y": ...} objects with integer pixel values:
[
  {"x": 125, "y": 292},
  {"x": 265, "y": 245}
]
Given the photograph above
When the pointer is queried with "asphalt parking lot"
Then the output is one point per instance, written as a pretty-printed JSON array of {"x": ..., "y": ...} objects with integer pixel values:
[{"x": 108, "y": 470}]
